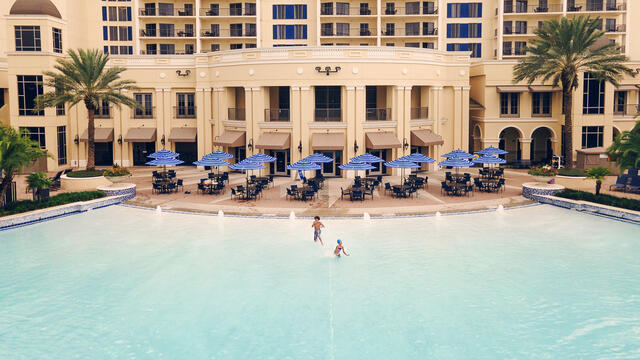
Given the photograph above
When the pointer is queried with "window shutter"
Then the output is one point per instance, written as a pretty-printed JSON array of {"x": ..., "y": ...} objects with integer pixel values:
[
  {"x": 275, "y": 28},
  {"x": 104, "y": 13},
  {"x": 448, "y": 30},
  {"x": 304, "y": 15},
  {"x": 106, "y": 49},
  {"x": 130, "y": 50},
  {"x": 275, "y": 16},
  {"x": 128, "y": 13},
  {"x": 479, "y": 30},
  {"x": 288, "y": 12},
  {"x": 479, "y": 52},
  {"x": 130, "y": 33},
  {"x": 304, "y": 30},
  {"x": 449, "y": 10},
  {"x": 479, "y": 11},
  {"x": 105, "y": 33}
]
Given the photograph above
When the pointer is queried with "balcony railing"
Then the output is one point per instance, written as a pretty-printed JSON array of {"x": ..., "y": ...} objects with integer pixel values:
[
  {"x": 519, "y": 30},
  {"x": 166, "y": 12},
  {"x": 328, "y": 114},
  {"x": 378, "y": 114},
  {"x": 616, "y": 28},
  {"x": 184, "y": 112},
  {"x": 626, "y": 110},
  {"x": 419, "y": 113},
  {"x": 409, "y": 32},
  {"x": 243, "y": 11},
  {"x": 237, "y": 114},
  {"x": 513, "y": 52},
  {"x": 276, "y": 115},
  {"x": 349, "y": 32},
  {"x": 411, "y": 10},
  {"x": 228, "y": 33},
  {"x": 531, "y": 9},
  {"x": 348, "y": 11},
  {"x": 597, "y": 6},
  {"x": 145, "y": 113},
  {"x": 167, "y": 33}
]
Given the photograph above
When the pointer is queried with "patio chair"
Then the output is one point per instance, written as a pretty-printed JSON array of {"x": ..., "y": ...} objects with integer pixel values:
[
  {"x": 308, "y": 194},
  {"x": 621, "y": 183},
  {"x": 356, "y": 195},
  {"x": 55, "y": 181},
  {"x": 234, "y": 194},
  {"x": 634, "y": 185},
  {"x": 290, "y": 194},
  {"x": 201, "y": 188},
  {"x": 369, "y": 192},
  {"x": 179, "y": 184},
  {"x": 211, "y": 176},
  {"x": 469, "y": 190},
  {"x": 225, "y": 176},
  {"x": 344, "y": 192},
  {"x": 172, "y": 187},
  {"x": 156, "y": 188},
  {"x": 500, "y": 185},
  {"x": 445, "y": 188},
  {"x": 387, "y": 187}
]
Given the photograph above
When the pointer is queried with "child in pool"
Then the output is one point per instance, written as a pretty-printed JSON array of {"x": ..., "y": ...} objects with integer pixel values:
[
  {"x": 317, "y": 229},
  {"x": 339, "y": 247}
]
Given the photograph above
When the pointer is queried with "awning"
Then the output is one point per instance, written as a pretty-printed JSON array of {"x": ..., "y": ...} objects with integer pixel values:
[
  {"x": 381, "y": 140},
  {"x": 101, "y": 135},
  {"x": 512, "y": 88},
  {"x": 596, "y": 150},
  {"x": 183, "y": 134},
  {"x": 231, "y": 139},
  {"x": 543, "y": 88},
  {"x": 425, "y": 138},
  {"x": 274, "y": 140},
  {"x": 330, "y": 141},
  {"x": 627, "y": 87},
  {"x": 141, "y": 135},
  {"x": 474, "y": 105}
]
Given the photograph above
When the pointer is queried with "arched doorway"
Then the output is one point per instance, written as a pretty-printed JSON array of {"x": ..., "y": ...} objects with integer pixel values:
[
  {"x": 476, "y": 139},
  {"x": 510, "y": 141},
  {"x": 616, "y": 132},
  {"x": 541, "y": 149}
]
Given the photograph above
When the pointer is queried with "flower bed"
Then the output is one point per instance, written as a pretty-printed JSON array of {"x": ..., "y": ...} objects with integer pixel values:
[
  {"x": 60, "y": 199},
  {"x": 624, "y": 203},
  {"x": 543, "y": 170},
  {"x": 84, "y": 174}
]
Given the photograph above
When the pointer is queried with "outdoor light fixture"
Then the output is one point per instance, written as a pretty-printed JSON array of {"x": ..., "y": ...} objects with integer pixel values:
[
  {"x": 327, "y": 69},
  {"x": 300, "y": 147},
  {"x": 162, "y": 141},
  {"x": 250, "y": 145},
  {"x": 76, "y": 140},
  {"x": 355, "y": 146},
  {"x": 185, "y": 73},
  {"x": 405, "y": 144},
  {"x": 120, "y": 140}
]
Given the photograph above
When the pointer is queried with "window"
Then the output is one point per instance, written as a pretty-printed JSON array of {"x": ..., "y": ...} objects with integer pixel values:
[
  {"x": 541, "y": 103},
  {"x": 521, "y": 6},
  {"x": 342, "y": 8},
  {"x": 165, "y": 9},
  {"x": 215, "y": 47},
  {"x": 150, "y": 9},
  {"x": 150, "y": 30},
  {"x": 113, "y": 33},
  {"x": 122, "y": 33},
  {"x": 299, "y": 11},
  {"x": 28, "y": 38},
  {"x": 235, "y": 29},
  {"x": 250, "y": 46},
  {"x": 342, "y": 29},
  {"x": 592, "y": 136},
  {"x": 594, "y": 5},
  {"x": 189, "y": 49},
  {"x": 57, "y": 40},
  {"x": 103, "y": 110},
  {"x": 113, "y": 13},
  {"x": 428, "y": 7},
  {"x": 250, "y": 9},
  {"x": 593, "y": 96},
  {"x": 299, "y": 31},
  {"x": 113, "y": 50},
  {"x": 36, "y": 134},
  {"x": 476, "y": 49},
  {"x": 521, "y": 27},
  {"x": 186, "y": 105},
  {"x": 464, "y": 30},
  {"x": 326, "y": 9},
  {"x": 29, "y": 87},
  {"x": 235, "y": 46},
  {"x": 62, "y": 145},
  {"x": 279, "y": 11},
  {"x": 412, "y": 8},
  {"x": 508, "y": 6},
  {"x": 364, "y": 30},
  {"x": 146, "y": 103},
  {"x": 122, "y": 13},
  {"x": 280, "y": 32},
  {"x": 428, "y": 28},
  {"x": 152, "y": 49},
  {"x": 289, "y": 11},
  {"x": 412, "y": 44},
  {"x": 510, "y": 104},
  {"x": 124, "y": 50},
  {"x": 620, "y": 102},
  {"x": 250, "y": 29},
  {"x": 520, "y": 48},
  {"x": 611, "y": 25},
  {"x": 167, "y": 30},
  {"x": 507, "y": 27},
  {"x": 167, "y": 49},
  {"x": 235, "y": 9},
  {"x": 428, "y": 45},
  {"x": 464, "y": 10},
  {"x": 326, "y": 29},
  {"x": 507, "y": 48},
  {"x": 413, "y": 29}
]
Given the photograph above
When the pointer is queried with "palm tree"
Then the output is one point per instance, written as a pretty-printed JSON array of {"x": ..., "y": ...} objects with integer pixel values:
[
  {"x": 598, "y": 174},
  {"x": 16, "y": 151},
  {"x": 84, "y": 78},
  {"x": 562, "y": 51},
  {"x": 625, "y": 150}
]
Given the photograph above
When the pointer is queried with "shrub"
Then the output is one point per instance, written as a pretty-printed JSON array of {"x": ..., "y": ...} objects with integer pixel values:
[
  {"x": 543, "y": 170},
  {"x": 60, "y": 199},
  {"x": 570, "y": 172},
  {"x": 85, "y": 174},
  {"x": 624, "y": 203},
  {"x": 116, "y": 171}
]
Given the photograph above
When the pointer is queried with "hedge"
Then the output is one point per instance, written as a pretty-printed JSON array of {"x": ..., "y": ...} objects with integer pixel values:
[
  {"x": 604, "y": 199},
  {"x": 570, "y": 172},
  {"x": 60, "y": 199},
  {"x": 84, "y": 174}
]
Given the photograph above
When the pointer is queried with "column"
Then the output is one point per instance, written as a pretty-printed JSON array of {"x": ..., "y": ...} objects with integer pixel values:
[
  {"x": 464, "y": 119},
  {"x": 525, "y": 150},
  {"x": 456, "y": 121},
  {"x": 120, "y": 127},
  {"x": 219, "y": 106},
  {"x": 159, "y": 116},
  {"x": 306, "y": 113},
  {"x": 198, "y": 30},
  {"x": 405, "y": 126},
  {"x": 253, "y": 132},
  {"x": 434, "y": 110},
  {"x": 166, "y": 121},
  {"x": 207, "y": 122},
  {"x": 356, "y": 132},
  {"x": 295, "y": 117},
  {"x": 200, "y": 121}
]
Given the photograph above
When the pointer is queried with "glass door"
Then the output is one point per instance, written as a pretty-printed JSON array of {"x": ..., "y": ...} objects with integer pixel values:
[
  {"x": 331, "y": 168},
  {"x": 279, "y": 167},
  {"x": 379, "y": 169}
]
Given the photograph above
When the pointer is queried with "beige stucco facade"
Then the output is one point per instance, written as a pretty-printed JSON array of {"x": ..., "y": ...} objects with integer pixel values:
[{"x": 199, "y": 99}]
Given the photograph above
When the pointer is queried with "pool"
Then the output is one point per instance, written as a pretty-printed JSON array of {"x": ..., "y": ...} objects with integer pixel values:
[{"x": 124, "y": 283}]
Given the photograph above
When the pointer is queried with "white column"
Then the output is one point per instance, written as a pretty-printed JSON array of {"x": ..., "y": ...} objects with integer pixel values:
[{"x": 198, "y": 28}]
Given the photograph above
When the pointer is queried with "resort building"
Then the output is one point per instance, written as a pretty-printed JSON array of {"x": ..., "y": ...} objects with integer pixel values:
[{"x": 293, "y": 77}]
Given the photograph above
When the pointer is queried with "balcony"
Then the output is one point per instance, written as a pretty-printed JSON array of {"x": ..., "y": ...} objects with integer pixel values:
[
  {"x": 236, "y": 114},
  {"x": 354, "y": 11},
  {"x": 626, "y": 110},
  {"x": 419, "y": 113},
  {"x": 182, "y": 33},
  {"x": 328, "y": 115},
  {"x": 520, "y": 30},
  {"x": 599, "y": 6},
  {"x": 357, "y": 32},
  {"x": 409, "y": 32},
  {"x": 276, "y": 115},
  {"x": 616, "y": 28},
  {"x": 532, "y": 9},
  {"x": 166, "y": 12},
  {"x": 377, "y": 114},
  {"x": 409, "y": 11},
  {"x": 145, "y": 113},
  {"x": 184, "y": 112},
  {"x": 231, "y": 12},
  {"x": 232, "y": 33}
]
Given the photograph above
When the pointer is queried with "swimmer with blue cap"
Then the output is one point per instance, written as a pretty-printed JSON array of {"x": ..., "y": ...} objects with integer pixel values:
[{"x": 339, "y": 247}]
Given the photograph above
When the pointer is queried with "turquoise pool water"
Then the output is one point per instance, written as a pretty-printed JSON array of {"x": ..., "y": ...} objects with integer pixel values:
[{"x": 123, "y": 283}]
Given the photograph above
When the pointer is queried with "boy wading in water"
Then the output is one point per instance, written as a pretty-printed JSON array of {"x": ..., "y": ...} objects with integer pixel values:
[{"x": 317, "y": 226}]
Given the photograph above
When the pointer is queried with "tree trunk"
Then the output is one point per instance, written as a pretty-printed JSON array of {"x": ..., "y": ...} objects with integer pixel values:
[
  {"x": 598, "y": 186},
  {"x": 91, "y": 132},
  {"x": 4, "y": 186},
  {"x": 567, "y": 97}
]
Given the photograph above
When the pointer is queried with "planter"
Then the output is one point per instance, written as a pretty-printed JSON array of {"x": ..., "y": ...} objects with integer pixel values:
[
  {"x": 68, "y": 184},
  {"x": 542, "y": 179},
  {"x": 117, "y": 179}
]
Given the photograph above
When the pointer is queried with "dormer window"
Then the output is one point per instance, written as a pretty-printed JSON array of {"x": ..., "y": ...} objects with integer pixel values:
[{"x": 28, "y": 38}]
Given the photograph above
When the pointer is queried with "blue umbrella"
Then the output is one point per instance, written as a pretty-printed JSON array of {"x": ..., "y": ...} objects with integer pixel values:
[
  {"x": 218, "y": 155},
  {"x": 211, "y": 162},
  {"x": 401, "y": 164},
  {"x": 164, "y": 162},
  {"x": 492, "y": 151},
  {"x": 163, "y": 154},
  {"x": 367, "y": 158},
  {"x": 261, "y": 158},
  {"x": 247, "y": 164},
  {"x": 489, "y": 160},
  {"x": 417, "y": 158},
  {"x": 317, "y": 158},
  {"x": 456, "y": 162},
  {"x": 356, "y": 166},
  {"x": 458, "y": 154},
  {"x": 303, "y": 166}
]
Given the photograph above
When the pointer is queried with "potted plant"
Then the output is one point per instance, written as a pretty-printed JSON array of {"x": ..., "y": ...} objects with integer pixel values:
[
  {"x": 543, "y": 173},
  {"x": 39, "y": 184},
  {"x": 598, "y": 174},
  {"x": 116, "y": 174}
]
